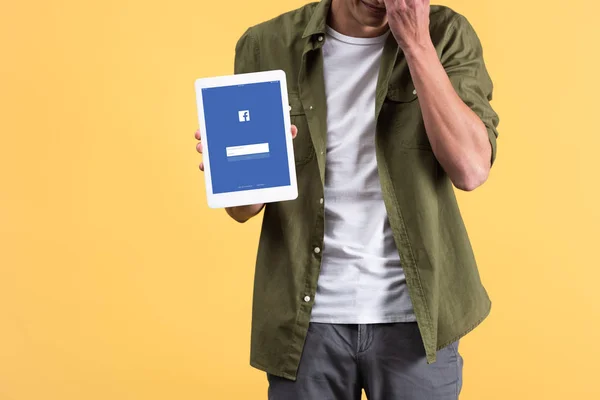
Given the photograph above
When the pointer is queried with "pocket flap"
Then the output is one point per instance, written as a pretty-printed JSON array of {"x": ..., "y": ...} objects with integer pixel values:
[{"x": 402, "y": 94}]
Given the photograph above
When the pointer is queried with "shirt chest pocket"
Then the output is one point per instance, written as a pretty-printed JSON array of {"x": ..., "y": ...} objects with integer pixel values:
[
  {"x": 401, "y": 117},
  {"x": 303, "y": 148}
]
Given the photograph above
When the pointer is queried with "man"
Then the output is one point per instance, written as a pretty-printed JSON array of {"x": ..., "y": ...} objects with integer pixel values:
[{"x": 368, "y": 280}]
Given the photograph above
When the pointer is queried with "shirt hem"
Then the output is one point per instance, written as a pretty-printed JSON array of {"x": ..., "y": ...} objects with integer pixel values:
[
  {"x": 366, "y": 320},
  {"x": 273, "y": 372}
]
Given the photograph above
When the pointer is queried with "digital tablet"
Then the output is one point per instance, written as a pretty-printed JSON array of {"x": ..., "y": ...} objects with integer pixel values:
[{"x": 246, "y": 141}]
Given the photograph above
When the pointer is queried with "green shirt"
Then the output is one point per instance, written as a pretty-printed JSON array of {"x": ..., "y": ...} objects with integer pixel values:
[{"x": 441, "y": 273}]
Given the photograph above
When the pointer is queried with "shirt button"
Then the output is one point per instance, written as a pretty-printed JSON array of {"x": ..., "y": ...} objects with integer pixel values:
[
  {"x": 321, "y": 200},
  {"x": 307, "y": 298},
  {"x": 317, "y": 250},
  {"x": 310, "y": 108},
  {"x": 290, "y": 108},
  {"x": 320, "y": 38},
  {"x": 415, "y": 91}
]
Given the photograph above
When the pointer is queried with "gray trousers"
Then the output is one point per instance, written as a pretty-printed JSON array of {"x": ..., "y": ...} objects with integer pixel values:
[{"x": 386, "y": 360}]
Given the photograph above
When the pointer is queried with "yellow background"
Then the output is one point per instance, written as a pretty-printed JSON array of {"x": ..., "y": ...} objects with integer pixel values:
[{"x": 116, "y": 280}]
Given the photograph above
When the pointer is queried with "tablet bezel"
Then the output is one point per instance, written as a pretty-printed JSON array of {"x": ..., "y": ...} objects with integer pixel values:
[{"x": 253, "y": 196}]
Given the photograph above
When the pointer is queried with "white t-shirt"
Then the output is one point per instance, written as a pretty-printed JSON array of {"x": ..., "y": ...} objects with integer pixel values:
[{"x": 361, "y": 279}]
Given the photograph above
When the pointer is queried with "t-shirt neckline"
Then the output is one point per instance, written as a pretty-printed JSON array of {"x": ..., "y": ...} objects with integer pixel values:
[{"x": 357, "y": 40}]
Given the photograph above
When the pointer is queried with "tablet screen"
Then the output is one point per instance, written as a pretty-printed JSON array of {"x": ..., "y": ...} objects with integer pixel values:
[{"x": 246, "y": 137}]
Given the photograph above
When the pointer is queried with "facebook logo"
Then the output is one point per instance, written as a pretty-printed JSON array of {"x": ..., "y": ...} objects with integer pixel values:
[{"x": 244, "y": 115}]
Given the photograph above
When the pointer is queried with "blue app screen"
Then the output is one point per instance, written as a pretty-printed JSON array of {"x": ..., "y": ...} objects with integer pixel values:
[{"x": 246, "y": 137}]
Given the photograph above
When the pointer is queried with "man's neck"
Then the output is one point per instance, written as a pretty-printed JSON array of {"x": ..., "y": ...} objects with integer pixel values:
[{"x": 341, "y": 20}]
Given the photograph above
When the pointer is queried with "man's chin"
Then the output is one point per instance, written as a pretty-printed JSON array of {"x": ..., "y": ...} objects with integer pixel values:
[{"x": 374, "y": 22}]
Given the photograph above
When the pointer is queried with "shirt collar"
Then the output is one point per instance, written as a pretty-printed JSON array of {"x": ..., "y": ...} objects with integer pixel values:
[{"x": 318, "y": 20}]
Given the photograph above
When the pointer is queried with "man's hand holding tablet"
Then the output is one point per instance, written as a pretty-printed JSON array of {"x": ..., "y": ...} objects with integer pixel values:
[{"x": 240, "y": 213}]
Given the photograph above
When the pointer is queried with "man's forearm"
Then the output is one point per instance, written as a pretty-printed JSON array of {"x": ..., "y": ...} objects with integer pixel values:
[
  {"x": 244, "y": 213},
  {"x": 457, "y": 135}
]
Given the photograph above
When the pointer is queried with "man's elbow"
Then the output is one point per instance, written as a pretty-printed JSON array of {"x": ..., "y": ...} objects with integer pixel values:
[
  {"x": 471, "y": 178},
  {"x": 473, "y": 171}
]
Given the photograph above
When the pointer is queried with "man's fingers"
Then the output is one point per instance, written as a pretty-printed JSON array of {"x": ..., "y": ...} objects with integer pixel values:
[
  {"x": 390, "y": 4},
  {"x": 394, "y": 5},
  {"x": 199, "y": 148},
  {"x": 294, "y": 131}
]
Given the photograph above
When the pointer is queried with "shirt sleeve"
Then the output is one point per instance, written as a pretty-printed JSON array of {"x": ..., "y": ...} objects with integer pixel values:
[
  {"x": 247, "y": 54},
  {"x": 462, "y": 58}
]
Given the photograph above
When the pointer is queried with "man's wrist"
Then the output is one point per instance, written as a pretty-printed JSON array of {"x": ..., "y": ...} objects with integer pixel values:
[{"x": 419, "y": 50}]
